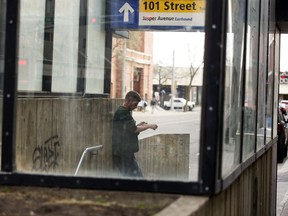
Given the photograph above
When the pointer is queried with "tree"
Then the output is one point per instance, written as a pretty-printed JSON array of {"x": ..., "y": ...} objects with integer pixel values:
[
  {"x": 192, "y": 72},
  {"x": 162, "y": 75}
]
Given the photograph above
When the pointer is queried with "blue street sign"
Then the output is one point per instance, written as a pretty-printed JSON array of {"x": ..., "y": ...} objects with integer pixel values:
[
  {"x": 124, "y": 14},
  {"x": 151, "y": 14}
]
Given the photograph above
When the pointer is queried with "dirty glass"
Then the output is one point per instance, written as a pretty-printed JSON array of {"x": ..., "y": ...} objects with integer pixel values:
[
  {"x": 2, "y": 54},
  {"x": 270, "y": 91},
  {"x": 76, "y": 65},
  {"x": 233, "y": 86},
  {"x": 251, "y": 76},
  {"x": 274, "y": 80},
  {"x": 263, "y": 124}
]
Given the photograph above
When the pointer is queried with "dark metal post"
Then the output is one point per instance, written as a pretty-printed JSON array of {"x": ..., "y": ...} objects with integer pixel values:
[
  {"x": 211, "y": 107},
  {"x": 10, "y": 87}
]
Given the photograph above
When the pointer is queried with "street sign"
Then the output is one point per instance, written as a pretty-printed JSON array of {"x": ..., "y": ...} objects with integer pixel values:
[
  {"x": 124, "y": 14},
  {"x": 157, "y": 14}
]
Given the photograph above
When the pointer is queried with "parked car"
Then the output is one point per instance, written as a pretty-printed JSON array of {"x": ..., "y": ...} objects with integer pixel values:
[
  {"x": 179, "y": 103},
  {"x": 282, "y": 135},
  {"x": 283, "y": 103}
]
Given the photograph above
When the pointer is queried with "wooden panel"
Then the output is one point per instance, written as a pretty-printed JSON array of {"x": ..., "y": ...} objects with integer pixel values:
[
  {"x": 105, "y": 135},
  {"x": 250, "y": 194},
  {"x": 59, "y": 123},
  {"x": 165, "y": 156},
  {"x": 89, "y": 128},
  {"x": 28, "y": 153},
  {"x": 228, "y": 202},
  {"x": 235, "y": 202},
  {"x": 218, "y": 206},
  {"x": 75, "y": 129},
  {"x": 45, "y": 141}
]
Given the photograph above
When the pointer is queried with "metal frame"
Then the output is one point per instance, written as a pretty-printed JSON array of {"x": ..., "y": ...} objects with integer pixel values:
[
  {"x": 207, "y": 179},
  {"x": 210, "y": 152},
  {"x": 10, "y": 86},
  {"x": 211, "y": 110}
]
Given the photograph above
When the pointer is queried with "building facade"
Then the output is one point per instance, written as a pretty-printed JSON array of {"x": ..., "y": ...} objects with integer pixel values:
[{"x": 132, "y": 65}]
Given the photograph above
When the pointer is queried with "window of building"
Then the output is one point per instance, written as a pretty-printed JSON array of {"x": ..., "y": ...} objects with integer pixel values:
[
  {"x": 262, "y": 121},
  {"x": 233, "y": 87}
]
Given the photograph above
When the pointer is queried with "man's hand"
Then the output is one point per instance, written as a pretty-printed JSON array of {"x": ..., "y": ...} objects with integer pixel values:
[
  {"x": 142, "y": 126},
  {"x": 153, "y": 126},
  {"x": 141, "y": 123}
]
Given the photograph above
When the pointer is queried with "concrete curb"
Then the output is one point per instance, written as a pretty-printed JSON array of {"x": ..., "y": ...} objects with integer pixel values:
[{"x": 183, "y": 206}]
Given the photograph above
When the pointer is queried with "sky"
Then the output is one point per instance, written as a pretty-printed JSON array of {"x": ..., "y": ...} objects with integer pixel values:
[
  {"x": 187, "y": 47},
  {"x": 181, "y": 42}
]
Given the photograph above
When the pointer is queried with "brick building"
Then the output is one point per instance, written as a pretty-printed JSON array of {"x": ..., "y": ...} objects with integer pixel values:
[{"x": 132, "y": 65}]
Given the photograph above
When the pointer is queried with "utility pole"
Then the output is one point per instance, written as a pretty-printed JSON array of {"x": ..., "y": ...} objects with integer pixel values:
[
  {"x": 124, "y": 69},
  {"x": 172, "y": 81}
]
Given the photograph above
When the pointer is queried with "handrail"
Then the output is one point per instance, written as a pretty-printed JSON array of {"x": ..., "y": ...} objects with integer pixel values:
[{"x": 97, "y": 147}]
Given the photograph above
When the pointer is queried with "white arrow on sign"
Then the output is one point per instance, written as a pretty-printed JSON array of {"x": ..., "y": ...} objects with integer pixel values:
[{"x": 126, "y": 8}]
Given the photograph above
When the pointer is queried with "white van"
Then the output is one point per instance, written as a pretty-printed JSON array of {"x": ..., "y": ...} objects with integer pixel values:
[{"x": 283, "y": 103}]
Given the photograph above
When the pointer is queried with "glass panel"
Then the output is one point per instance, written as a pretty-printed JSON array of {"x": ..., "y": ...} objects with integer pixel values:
[
  {"x": 263, "y": 123},
  {"x": 76, "y": 70},
  {"x": 95, "y": 45},
  {"x": 276, "y": 73},
  {"x": 65, "y": 46},
  {"x": 251, "y": 76},
  {"x": 31, "y": 42},
  {"x": 233, "y": 86},
  {"x": 2, "y": 47},
  {"x": 271, "y": 91}
]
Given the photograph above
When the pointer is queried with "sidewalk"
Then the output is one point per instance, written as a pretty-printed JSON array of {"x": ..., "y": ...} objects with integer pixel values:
[
  {"x": 282, "y": 189},
  {"x": 160, "y": 111}
]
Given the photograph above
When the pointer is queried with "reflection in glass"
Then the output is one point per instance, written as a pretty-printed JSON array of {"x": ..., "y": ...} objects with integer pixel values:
[
  {"x": 233, "y": 86},
  {"x": 64, "y": 113},
  {"x": 251, "y": 71},
  {"x": 271, "y": 93},
  {"x": 263, "y": 124},
  {"x": 31, "y": 43},
  {"x": 171, "y": 140},
  {"x": 65, "y": 46},
  {"x": 274, "y": 78}
]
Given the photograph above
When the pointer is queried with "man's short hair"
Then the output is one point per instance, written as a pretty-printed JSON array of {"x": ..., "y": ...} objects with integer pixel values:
[{"x": 133, "y": 95}]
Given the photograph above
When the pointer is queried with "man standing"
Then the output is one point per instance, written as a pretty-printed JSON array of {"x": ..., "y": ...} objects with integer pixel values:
[
  {"x": 153, "y": 104},
  {"x": 125, "y": 136}
]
